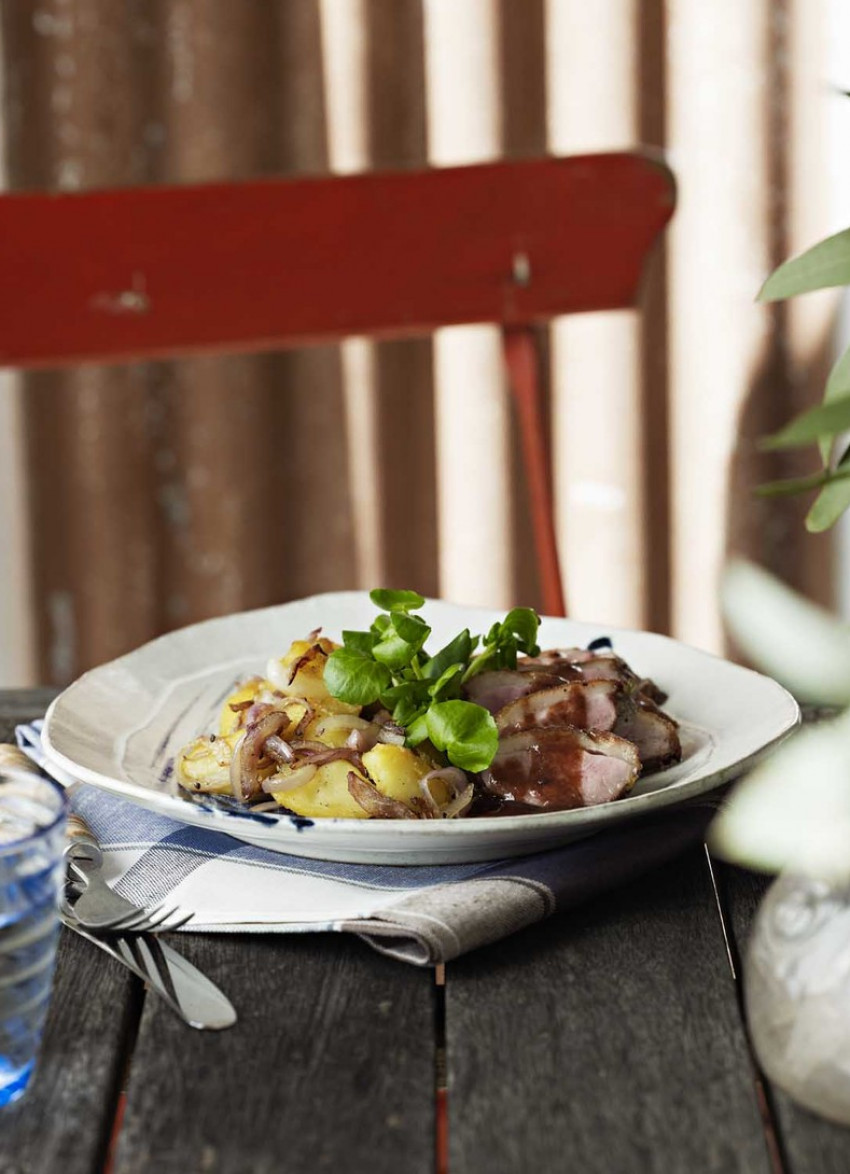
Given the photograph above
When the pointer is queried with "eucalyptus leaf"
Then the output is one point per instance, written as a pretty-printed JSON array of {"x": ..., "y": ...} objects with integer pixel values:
[
  {"x": 832, "y": 500},
  {"x": 824, "y": 265},
  {"x": 837, "y": 387},
  {"x": 794, "y": 485},
  {"x": 825, "y": 420},
  {"x": 787, "y": 636},
  {"x": 793, "y": 810}
]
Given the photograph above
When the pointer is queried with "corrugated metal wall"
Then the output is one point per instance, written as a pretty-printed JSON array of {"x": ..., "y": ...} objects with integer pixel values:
[{"x": 163, "y": 493}]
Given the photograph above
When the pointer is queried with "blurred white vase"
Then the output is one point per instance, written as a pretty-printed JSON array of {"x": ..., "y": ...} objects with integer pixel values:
[{"x": 797, "y": 989}]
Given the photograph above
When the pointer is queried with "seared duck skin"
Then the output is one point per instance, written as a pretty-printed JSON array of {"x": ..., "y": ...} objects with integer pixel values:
[
  {"x": 586, "y": 705},
  {"x": 561, "y": 768},
  {"x": 585, "y": 664},
  {"x": 576, "y": 726},
  {"x": 653, "y": 732},
  {"x": 602, "y": 705}
]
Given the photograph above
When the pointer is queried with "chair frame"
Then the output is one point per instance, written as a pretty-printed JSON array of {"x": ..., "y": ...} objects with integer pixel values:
[{"x": 165, "y": 272}]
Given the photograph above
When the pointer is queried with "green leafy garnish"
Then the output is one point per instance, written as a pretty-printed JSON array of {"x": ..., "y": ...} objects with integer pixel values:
[
  {"x": 354, "y": 678},
  {"x": 397, "y": 601},
  {"x": 466, "y": 732},
  {"x": 362, "y": 642},
  {"x": 516, "y": 633},
  {"x": 402, "y": 638},
  {"x": 457, "y": 651},
  {"x": 389, "y": 664}
]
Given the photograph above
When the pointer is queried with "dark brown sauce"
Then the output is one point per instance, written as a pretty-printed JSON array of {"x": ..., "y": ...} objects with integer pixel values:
[
  {"x": 487, "y": 806},
  {"x": 545, "y": 773}
]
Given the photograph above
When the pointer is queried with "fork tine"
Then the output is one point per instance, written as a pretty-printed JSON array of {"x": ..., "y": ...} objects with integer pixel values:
[
  {"x": 152, "y": 921},
  {"x": 107, "y": 925},
  {"x": 158, "y": 919},
  {"x": 179, "y": 923},
  {"x": 136, "y": 922},
  {"x": 161, "y": 922}
]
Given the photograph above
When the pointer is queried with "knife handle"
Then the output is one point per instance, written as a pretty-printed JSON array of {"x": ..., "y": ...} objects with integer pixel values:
[
  {"x": 13, "y": 758},
  {"x": 82, "y": 844},
  {"x": 188, "y": 992}
]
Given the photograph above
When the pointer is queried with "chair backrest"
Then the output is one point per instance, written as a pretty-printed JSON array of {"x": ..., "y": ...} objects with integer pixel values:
[{"x": 107, "y": 276}]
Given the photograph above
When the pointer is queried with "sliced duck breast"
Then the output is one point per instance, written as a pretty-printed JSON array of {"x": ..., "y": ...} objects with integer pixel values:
[
  {"x": 499, "y": 687},
  {"x": 570, "y": 664},
  {"x": 561, "y": 768},
  {"x": 587, "y": 705},
  {"x": 654, "y": 733}
]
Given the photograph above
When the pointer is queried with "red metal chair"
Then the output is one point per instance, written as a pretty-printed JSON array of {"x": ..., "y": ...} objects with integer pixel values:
[{"x": 173, "y": 271}]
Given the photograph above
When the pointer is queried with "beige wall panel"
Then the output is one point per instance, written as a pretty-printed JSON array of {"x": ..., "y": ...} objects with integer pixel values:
[
  {"x": 472, "y": 413},
  {"x": 596, "y": 358},
  {"x": 720, "y": 251},
  {"x": 811, "y": 321},
  {"x": 374, "y": 85},
  {"x": 17, "y": 646}
]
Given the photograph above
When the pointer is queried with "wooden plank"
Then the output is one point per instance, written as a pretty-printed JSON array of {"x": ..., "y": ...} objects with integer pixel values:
[
  {"x": 21, "y": 705},
  {"x": 271, "y": 263},
  {"x": 606, "y": 1039},
  {"x": 331, "y": 1065},
  {"x": 63, "y": 1123},
  {"x": 808, "y": 1144}
]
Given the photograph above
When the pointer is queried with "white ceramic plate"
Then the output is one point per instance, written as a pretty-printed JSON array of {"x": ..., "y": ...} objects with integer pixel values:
[{"x": 121, "y": 724}]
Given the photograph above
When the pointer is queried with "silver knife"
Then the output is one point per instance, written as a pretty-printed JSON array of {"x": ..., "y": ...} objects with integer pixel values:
[{"x": 196, "y": 999}]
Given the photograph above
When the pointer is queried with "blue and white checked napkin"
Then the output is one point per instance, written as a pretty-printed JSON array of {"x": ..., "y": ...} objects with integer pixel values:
[{"x": 422, "y": 915}]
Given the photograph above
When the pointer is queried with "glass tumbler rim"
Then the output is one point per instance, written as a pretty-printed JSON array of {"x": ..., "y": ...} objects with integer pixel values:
[{"x": 40, "y": 832}]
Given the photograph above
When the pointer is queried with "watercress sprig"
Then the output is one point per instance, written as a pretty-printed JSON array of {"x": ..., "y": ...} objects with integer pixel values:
[{"x": 389, "y": 664}]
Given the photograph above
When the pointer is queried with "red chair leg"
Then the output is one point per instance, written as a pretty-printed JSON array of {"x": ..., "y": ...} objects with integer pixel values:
[{"x": 520, "y": 350}]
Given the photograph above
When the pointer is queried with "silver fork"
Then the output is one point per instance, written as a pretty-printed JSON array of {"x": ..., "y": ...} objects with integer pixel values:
[
  {"x": 96, "y": 906},
  {"x": 159, "y": 920}
]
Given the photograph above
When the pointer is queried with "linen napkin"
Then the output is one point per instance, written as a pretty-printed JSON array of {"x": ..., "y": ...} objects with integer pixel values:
[{"x": 421, "y": 915}]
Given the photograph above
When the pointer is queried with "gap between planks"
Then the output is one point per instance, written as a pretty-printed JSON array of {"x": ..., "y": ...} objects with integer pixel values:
[
  {"x": 762, "y": 1092},
  {"x": 441, "y": 1097}
]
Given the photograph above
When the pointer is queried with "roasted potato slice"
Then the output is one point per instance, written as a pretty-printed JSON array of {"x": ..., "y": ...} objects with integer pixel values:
[
  {"x": 397, "y": 772},
  {"x": 333, "y": 729},
  {"x": 301, "y": 673},
  {"x": 232, "y": 715},
  {"x": 204, "y": 765},
  {"x": 325, "y": 796}
]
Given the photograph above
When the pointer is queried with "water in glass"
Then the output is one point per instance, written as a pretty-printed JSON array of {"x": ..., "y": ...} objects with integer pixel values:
[{"x": 32, "y": 829}]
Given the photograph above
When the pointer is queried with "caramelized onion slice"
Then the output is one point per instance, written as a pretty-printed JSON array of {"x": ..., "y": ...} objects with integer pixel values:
[
  {"x": 277, "y": 784},
  {"x": 279, "y": 749},
  {"x": 461, "y": 787},
  {"x": 375, "y": 804},
  {"x": 249, "y": 750}
]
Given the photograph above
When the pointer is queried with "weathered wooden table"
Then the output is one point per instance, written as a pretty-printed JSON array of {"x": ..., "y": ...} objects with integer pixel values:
[{"x": 606, "y": 1040}]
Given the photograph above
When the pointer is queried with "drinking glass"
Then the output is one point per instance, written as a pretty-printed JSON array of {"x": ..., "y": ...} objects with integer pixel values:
[{"x": 32, "y": 836}]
